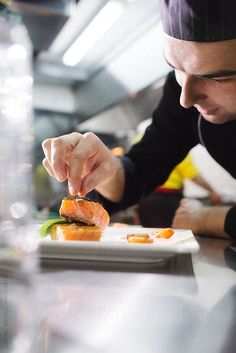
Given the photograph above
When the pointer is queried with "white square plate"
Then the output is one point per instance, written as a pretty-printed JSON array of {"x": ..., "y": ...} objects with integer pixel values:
[{"x": 113, "y": 246}]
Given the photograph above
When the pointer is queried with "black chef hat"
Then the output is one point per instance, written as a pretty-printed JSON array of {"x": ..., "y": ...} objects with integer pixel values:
[{"x": 199, "y": 20}]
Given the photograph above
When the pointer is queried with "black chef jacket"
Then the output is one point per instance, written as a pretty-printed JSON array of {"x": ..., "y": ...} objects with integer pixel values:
[{"x": 174, "y": 131}]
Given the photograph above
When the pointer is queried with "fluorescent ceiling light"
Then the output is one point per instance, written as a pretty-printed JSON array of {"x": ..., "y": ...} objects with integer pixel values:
[{"x": 101, "y": 23}]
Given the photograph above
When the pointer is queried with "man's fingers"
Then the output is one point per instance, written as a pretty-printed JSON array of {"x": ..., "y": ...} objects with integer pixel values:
[
  {"x": 57, "y": 151},
  {"x": 83, "y": 160},
  {"x": 96, "y": 177},
  {"x": 47, "y": 166},
  {"x": 58, "y": 158},
  {"x": 46, "y": 145},
  {"x": 177, "y": 221},
  {"x": 61, "y": 149}
]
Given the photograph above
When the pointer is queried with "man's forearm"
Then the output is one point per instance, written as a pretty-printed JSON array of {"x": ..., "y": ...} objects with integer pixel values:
[{"x": 213, "y": 221}]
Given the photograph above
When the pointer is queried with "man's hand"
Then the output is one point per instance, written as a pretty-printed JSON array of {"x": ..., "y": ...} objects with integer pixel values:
[
  {"x": 207, "y": 220},
  {"x": 87, "y": 164}
]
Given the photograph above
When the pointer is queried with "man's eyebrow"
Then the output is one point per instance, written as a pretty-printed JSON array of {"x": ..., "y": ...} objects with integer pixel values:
[{"x": 220, "y": 73}]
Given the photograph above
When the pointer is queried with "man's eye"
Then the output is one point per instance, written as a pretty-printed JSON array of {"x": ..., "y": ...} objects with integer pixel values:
[{"x": 221, "y": 80}]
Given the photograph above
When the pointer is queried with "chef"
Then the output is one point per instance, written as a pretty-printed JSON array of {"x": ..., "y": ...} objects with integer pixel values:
[{"x": 198, "y": 106}]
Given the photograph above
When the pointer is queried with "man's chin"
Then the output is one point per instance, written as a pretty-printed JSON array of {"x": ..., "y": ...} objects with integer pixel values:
[
  {"x": 214, "y": 119},
  {"x": 217, "y": 118}
]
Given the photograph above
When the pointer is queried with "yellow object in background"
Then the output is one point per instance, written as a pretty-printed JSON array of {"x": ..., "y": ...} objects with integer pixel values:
[{"x": 184, "y": 170}]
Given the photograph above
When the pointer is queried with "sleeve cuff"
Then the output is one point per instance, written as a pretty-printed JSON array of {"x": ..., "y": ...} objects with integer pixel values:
[{"x": 230, "y": 222}]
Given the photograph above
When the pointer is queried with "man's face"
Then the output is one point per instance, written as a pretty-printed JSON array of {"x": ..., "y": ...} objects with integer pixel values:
[{"x": 207, "y": 74}]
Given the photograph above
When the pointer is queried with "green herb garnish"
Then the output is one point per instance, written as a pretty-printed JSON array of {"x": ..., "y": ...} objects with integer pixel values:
[{"x": 45, "y": 228}]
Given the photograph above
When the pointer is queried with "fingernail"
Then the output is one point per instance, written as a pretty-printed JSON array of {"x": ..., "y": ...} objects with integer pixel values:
[
  {"x": 60, "y": 176},
  {"x": 72, "y": 190}
]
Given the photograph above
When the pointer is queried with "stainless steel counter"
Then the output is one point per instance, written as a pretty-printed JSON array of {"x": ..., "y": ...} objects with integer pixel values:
[{"x": 186, "y": 304}]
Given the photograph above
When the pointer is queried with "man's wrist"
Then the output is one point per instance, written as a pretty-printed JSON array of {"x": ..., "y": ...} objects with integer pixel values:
[{"x": 112, "y": 189}]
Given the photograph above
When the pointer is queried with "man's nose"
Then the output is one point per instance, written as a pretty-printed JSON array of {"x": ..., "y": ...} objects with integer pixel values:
[{"x": 192, "y": 91}]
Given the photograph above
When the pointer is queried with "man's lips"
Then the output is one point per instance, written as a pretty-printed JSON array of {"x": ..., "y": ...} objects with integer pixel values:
[{"x": 207, "y": 111}]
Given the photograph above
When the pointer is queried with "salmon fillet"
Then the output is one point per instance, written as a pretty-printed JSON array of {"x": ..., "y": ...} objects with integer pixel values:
[{"x": 84, "y": 211}]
